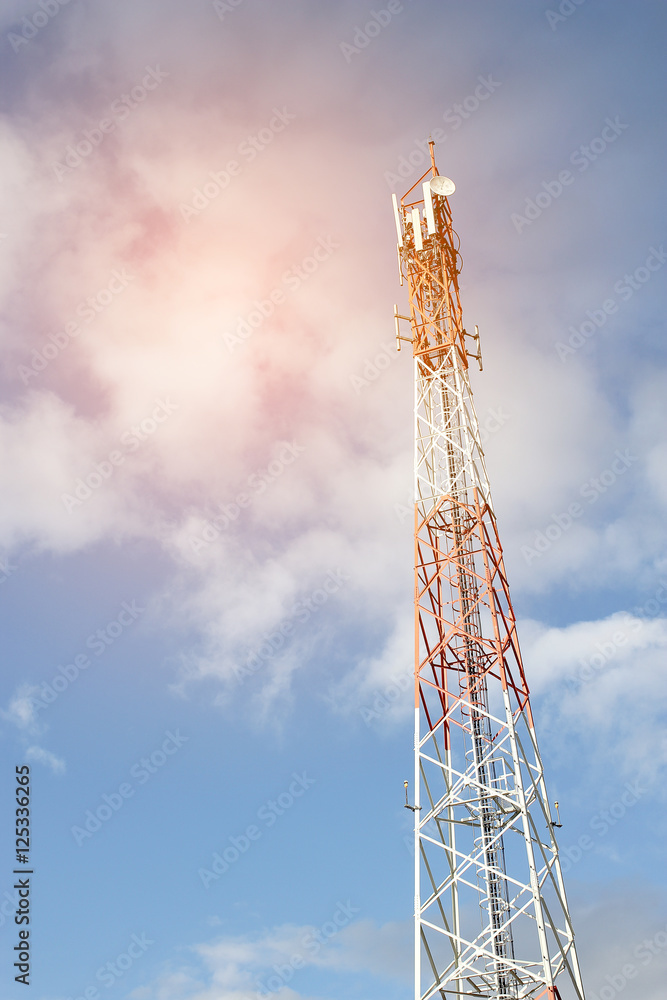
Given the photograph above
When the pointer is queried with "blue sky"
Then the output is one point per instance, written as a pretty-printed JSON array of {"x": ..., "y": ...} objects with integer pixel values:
[{"x": 206, "y": 444}]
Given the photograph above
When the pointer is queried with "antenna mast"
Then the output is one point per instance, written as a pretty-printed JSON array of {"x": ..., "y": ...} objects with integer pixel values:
[{"x": 491, "y": 916}]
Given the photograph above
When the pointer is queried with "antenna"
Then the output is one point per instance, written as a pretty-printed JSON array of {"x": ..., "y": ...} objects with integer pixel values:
[
  {"x": 443, "y": 186},
  {"x": 415, "y": 809},
  {"x": 397, "y": 220},
  {"x": 558, "y": 824},
  {"x": 417, "y": 229},
  {"x": 428, "y": 208}
]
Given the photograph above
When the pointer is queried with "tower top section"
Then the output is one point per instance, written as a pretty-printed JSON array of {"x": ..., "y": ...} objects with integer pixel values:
[{"x": 429, "y": 258}]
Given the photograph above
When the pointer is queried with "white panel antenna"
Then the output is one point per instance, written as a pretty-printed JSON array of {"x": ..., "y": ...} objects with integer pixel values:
[
  {"x": 398, "y": 220},
  {"x": 417, "y": 226},
  {"x": 428, "y": 208}
]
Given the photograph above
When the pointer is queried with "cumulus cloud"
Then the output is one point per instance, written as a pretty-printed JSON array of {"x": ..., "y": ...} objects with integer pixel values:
[
  {"x": 602, "y": 681},
  {"x": 46, "y": 448},
  {"x": 613, "y": 938},
  {"x": 243, "y": 967},
  {"x": 605, "y": 681},
  {"x": 156, "y": 264}
]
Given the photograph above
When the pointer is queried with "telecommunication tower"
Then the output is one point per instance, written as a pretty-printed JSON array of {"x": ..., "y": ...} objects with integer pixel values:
[{"x": 491, "y": 915}]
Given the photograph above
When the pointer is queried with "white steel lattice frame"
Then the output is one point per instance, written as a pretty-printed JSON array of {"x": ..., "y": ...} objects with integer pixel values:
[{"x": 491, "y": 915}]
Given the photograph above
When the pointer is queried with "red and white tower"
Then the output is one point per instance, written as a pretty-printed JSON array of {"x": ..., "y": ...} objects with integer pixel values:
[{"x": 491, "y": 916}]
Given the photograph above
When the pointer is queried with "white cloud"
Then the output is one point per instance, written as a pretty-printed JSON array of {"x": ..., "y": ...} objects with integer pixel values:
[
  {"x": 22, "y": 711},
  {"x": 163, "y": 337},
  {"x": 378, "y": 688},
  {"x": 605, "y": 681},
  {"x": 243, "y": 967},
  {"x": 57, "y": 764},
  {"x": 44, "y": 448},
  {"x": 617, "y": 926},
  {"x": 586, "y": 650}
]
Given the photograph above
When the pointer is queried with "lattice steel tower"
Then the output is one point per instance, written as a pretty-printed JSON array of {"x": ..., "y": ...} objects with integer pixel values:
[{"x": 491, "y": 917}]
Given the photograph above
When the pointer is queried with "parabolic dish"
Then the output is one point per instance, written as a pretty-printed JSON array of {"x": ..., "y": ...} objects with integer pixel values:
[{"x": 442, "y": 186}]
